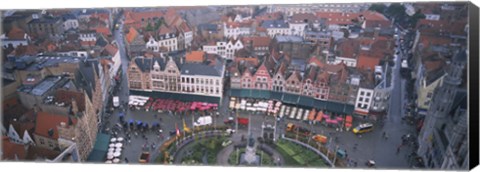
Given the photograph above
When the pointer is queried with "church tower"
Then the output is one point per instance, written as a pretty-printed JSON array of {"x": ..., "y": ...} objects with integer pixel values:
[{"x": 442, "y": 102}]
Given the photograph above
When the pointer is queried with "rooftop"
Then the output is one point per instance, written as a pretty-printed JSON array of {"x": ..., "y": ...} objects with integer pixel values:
[
  {"x": 295, "y": 39},
  {"x": 274, "y": 24},
  {"x": 48, "y": 61},
  {"x": 195, "y": 56},
  {"x": 47, "y": 124},
  {"x": 203, "y": 69},
  {"x": 45, "y": 85}
]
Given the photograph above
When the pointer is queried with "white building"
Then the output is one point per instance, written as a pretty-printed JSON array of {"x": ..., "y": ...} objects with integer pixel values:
[
  {"x": 15, "y": 137},
  {"x": 276, "y": 27},
  {"x": 364, "y": 99},
  {"x": 350, "y": 62},
  {"x": 224, "y": 49},
  {"x": 88, "y": 36},
  {"x": 234, "y": 29},
  {"x": 202, "y": 79},
  {"x": 69, "y": 22},
  {"x": 169, "y": 41}
]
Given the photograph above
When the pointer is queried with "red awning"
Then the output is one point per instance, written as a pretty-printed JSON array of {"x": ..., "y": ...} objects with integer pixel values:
[
  {"x": 349, "y": 119},
  {"x": 311, "y": 116},
  {"x": 319, "y": 116},
  {"x": 361, "y": 113}
]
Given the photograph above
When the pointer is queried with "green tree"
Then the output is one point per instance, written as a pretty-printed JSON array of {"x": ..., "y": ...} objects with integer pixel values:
[
  {"x": 417, "y": 16},
  {"x": 378, "y": 7},
  {"x": 149, "y": 27},
  {"x": 396, "y": 11}
]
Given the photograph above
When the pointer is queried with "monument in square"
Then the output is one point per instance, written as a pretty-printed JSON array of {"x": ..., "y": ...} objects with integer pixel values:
[{"x": 250, "y": 158}]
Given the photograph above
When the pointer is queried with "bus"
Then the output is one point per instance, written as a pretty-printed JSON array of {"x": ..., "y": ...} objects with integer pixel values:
[{"x": 363, "y": 128}]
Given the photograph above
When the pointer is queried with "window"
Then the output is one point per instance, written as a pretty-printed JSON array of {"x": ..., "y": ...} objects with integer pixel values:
[
  {"x": 360, "y": 99},
  {"x": 359, "y": 105},
  {"x": 368, "y": 94},
  {"x": 362, "y": 93},
  {"x": 42, "y": 141},
  {"x": 367, "y": 100}
]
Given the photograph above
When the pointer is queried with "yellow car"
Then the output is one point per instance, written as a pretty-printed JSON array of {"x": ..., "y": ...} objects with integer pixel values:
[{"x": 363, "y": 128}]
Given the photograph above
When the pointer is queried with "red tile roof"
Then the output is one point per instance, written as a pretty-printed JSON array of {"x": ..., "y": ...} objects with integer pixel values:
[
  {"x": 373, "y": 16},
  {"x": 46, "y": 121},
  {"x": 11, "y": 151},
  {"x": 337, "y": 17},
  {"x": 428, "y": 40},
  {"x": 164, "y": 30},
  {"x": 195, "y": 56},
  {"x": 251, "y": 60},
  {"x": 239, "y": 24},
  {"x": 103, "y": 30},
  {"x": 87, "y": 43},
  {"x": 132, "y": 17},
  {"x": 431, "y": 65},
  {"x": 433, "y": 27},
  {"x": 302, "y": 17},
  {"x": 316, "y": 61},
  {"x": 132, "y": 34},
  {"x": 16, "y": 33},
  {"x": 257, "y": 41},
  {"x": 67, "y": 96},
  {"x": 111, "y": 49},
  {"x": 348, "y": 48},
  {"x": 365, "y": 62},
  {"x": 269, "y": 16},
  {"x": 26, "y": 50}
]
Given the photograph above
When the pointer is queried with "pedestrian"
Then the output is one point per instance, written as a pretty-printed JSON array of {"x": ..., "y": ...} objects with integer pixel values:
[
  {"x": 126, "y": 160},
  {"x": 384, "y": 134}
]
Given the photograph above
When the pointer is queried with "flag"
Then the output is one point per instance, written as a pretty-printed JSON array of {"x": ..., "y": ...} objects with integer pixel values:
[
  {"x": 178, "y": 131},
  {"x": 185, "y": 128}
]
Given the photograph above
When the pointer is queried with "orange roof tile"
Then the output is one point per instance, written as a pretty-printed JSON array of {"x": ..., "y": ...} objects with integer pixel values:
[
  {"x": 365, "y": 62},
  {"x": 132, "y": 34},
  {"x": 195, "y": 56},
  {"x": 103, "y": 30},
  {"x": 46, "y": 121}
]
